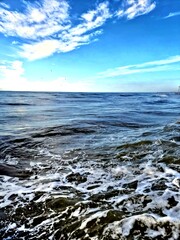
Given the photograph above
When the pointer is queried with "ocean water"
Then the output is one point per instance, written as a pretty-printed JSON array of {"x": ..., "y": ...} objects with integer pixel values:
[{"x": 89, "y": 166}]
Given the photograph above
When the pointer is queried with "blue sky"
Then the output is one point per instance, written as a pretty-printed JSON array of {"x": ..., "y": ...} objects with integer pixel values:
[{"x": 93, "y": 46}]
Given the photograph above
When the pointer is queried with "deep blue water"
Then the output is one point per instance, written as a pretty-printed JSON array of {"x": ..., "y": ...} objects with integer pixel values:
[{"x": 89, "y": 165}]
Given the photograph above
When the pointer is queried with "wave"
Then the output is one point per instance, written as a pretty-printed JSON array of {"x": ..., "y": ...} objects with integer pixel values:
[
  {"x": 62, "y": 131},
  {"x": 106, "y": 170},
  {"x": 16, "y": 104}
]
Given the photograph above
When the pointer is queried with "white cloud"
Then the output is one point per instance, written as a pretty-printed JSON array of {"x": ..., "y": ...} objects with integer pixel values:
[
  {"x": 41, "y": 49},
  {"x": 13, "y": 79},
  {"x": 154, "y": 66},
  {"x": 12, "y": 75},
  {"x": 96, "y": 18},
  {"x": 35, "y": 20},
  {"x": 4, "y": 5},
  {"x": 70, "y": 38},
  {"x": 14, "y": 42},
  {"x": 48, "y": 27},
  {"x": 134, "y": 8},
  {"x": 11, "y": 70},
  {"x": 173, "y": 14},
  {"x": 46, "y": 48},
  {"x": 57, "y": 85}
]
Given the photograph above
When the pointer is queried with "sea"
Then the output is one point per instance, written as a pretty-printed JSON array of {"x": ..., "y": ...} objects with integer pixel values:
[{"x": 89, "y": 166}]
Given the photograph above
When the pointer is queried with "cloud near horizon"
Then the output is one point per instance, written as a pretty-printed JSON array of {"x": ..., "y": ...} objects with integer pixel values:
[
  {"x": 10, "y": 70},
  {"x": 154, "y": 66},
  {"x": 44, "y": 28},
  {"x": 13, "y": 79}
]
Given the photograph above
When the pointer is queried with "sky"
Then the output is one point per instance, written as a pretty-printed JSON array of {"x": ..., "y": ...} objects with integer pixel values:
[{"x": 89, "y": 45}]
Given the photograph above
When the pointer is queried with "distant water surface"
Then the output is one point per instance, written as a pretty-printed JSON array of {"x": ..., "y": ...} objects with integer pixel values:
[{"x": 89, "y": 165}]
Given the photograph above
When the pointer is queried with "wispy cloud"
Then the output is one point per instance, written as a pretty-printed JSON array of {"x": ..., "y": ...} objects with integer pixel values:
[
  {"x": 4, "y": 5},
  {"x": 48, "y": 27},
  {"x": 154, "y": 66},
  {"x": 38, "y": 20},
  {"x": 173, "y": 14},
  {"x": 46, "y": 48},
  {"x": 134, "y": 8},
  {"x": 42, "y": 28}
]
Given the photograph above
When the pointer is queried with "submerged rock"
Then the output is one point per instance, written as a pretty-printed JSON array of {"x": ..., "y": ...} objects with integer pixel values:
[
  {"x": 14, "y": 171},
  {"x": 159, "y": 185},
  {"x": 76, "y": 177},
  {"x": 3, "y": 215},
  {"x": 130, "y": 185},
  {"x": 60, "y": 203}
]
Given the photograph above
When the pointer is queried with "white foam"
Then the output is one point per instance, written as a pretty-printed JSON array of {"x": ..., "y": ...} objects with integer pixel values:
[
  {"x": 96, "y": 215},
  {"x": 120, "y": 171},
  {"x": 103, "y": 179},
  {"x": 11, "y": 226},
  {"x": 176, "y": 182},
  {"x": 125, "y": 226}
]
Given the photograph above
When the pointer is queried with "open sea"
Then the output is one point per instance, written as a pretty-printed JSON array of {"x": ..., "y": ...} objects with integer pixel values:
[{"x": 89, "y": 166}]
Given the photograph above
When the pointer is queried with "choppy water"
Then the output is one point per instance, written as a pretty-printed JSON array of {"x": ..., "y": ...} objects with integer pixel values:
[{"x": 89, "y": 166}]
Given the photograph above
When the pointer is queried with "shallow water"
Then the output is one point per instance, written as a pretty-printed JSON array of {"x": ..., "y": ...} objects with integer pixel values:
[{"x": 89, "y": 166}]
